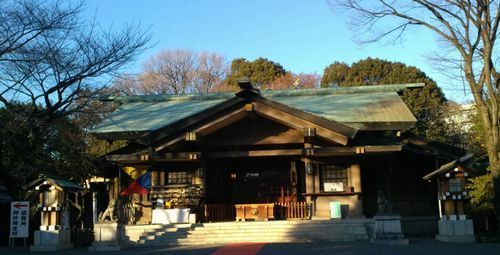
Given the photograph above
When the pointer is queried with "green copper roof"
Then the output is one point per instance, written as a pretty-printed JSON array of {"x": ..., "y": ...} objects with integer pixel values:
[
  {"x": 375, "y": 107},
  {"x": 267, "y": 93},
  {"x": 362, "y": 111},
  {"x": 151, "y": 115}
]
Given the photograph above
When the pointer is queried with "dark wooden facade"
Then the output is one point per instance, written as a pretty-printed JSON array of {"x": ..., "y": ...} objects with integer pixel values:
[{"x": 250, "y": 149}]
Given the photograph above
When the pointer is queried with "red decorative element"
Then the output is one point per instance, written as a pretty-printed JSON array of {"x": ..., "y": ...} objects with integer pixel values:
[
  {"x": 139, "y": 186},
  {"x": 240, "y": 249},
  {"x": 19, "y": 205}
]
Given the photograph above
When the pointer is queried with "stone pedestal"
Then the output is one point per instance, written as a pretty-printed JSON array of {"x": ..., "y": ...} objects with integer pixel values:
[
  {"x": 51, "y": 240},
  {"x": 388, "y": 230},
  {"x": 456, "y": 231},
  {"x": 106, "y": 237}
]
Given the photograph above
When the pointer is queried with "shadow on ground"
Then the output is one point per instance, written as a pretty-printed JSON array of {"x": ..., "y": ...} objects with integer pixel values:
[{"x": 417, "y": 247}]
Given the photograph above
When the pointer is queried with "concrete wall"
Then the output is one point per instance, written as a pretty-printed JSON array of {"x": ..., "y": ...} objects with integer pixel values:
[{"x": 419, "y": 226}]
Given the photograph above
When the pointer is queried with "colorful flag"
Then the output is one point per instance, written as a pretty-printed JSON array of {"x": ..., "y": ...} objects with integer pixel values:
[
  {"x": 134, "y": 172},
  {"x": 139, "y": 186}
]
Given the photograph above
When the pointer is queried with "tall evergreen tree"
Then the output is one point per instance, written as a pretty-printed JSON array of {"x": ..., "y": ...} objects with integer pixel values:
[
  {"x": 261, "y": 71},
  {"x": 426, "y": 103}
]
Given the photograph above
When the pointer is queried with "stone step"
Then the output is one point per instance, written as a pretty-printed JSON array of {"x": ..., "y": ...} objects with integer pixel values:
[
  {"x": 271, "y": 231},
  {"x": 285, "y": 239},
  {"x": 260, "y": 231},
  {"x": 289, "y": 222},
  {"x": 297, "y": 232},
  {"x": 257, "y": 230},
  {"x": 242, "y": 226},
  {"x": 163, "y": 231},
  {"x": 159, "y": 234},
  {"x": 271, "y": 238}
]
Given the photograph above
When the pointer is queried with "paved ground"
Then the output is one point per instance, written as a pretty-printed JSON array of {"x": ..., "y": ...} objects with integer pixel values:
[{"x": 417, "y": 247}]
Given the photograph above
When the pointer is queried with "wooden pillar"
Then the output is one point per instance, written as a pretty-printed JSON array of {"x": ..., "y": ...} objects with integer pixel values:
[
  {"x": 449, "y": 208},
  {"x": 309, "y": 179},
  {"x": 355, "y": 180},
  {"x": 155, "y": 178},
  {"x": 317, "y": 186},
  {"x": 293, "y": 181},
  {"x": 114, "y": 188},
  {"x": 162, "y": 178},
  {"x": 199, "y": 177},
  {"x": 309, "y": 135}
]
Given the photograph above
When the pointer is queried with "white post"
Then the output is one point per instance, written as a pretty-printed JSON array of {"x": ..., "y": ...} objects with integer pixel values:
[
  {"x": 440, "y": 210},
  {"x": 94, "y": 207}
]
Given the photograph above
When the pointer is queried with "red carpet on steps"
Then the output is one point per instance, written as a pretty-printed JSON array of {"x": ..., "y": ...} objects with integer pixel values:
[{"x": 239, "y": 249}]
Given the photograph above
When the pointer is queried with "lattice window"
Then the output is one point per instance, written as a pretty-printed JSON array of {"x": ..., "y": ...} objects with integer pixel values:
[
  {"x": 179, "y": 178},
  {"x": 333, "y": 178},
  {"x": 455, "y": 185}
]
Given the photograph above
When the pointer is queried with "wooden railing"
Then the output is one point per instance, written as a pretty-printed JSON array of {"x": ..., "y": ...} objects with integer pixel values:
[
  {"x": 220, "y": 212},
  {"x": 282, "y": 211},
  {"x": 292, "y": 210}
]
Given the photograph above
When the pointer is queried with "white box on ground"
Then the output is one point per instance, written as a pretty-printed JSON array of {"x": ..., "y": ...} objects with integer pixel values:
[{"x": 169, "y": 216}]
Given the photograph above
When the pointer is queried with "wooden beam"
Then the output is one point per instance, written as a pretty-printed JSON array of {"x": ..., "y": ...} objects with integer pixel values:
[
  {"x": 166, "y": 157},
  {"x": 291, "y": 136},
  {"x": 333, "y": 125},
  {"x": 221, "y": 122},
  {"x": 255, "y": 153},
  {"x": 346, "y": 151},
  {"x": 382, "y": 148},
  {"x": 209, "y": 127},
  {"x": 297, "y": 123},
  {"x": 303, "y": 152}
]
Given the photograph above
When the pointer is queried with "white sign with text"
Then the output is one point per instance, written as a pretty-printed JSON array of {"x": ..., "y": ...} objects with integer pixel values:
[
  {"x": 333, "y": 186},
  {"x": 19, "y": 219}
]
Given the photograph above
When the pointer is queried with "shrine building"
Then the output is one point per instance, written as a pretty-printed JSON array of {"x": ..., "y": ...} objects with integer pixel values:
[{"x": 314, "y": 153}]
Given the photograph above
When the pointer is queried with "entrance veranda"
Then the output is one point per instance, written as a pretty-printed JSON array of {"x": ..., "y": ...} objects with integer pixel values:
[{"x": 238, "y": 182}]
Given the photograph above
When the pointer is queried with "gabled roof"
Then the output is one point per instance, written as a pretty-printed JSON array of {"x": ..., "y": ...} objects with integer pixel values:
[
  {"x": 347, "y": 108},
  {"x": 53, "y": 180},
  {"x": 449, "y": 167}
]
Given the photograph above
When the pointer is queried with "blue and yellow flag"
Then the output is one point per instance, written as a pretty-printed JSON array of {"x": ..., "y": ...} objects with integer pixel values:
[{"x": 134, "y": 172}]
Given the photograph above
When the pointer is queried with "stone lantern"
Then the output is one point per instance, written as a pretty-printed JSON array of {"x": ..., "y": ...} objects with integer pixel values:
[{"x": 454, "y": 226}]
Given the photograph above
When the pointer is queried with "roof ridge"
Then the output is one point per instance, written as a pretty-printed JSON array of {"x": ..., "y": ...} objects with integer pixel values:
[{"x": 266, "y": 93}]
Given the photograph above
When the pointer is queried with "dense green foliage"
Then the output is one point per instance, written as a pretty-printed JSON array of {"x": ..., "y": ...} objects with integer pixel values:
[
  {"x": 334, "y": 74},
  {"x": 426, "y": 103},
  {"x": 482, "y": 193},
  {"x": 29, "y": 147},
  {"x": 261, "y": 71}
]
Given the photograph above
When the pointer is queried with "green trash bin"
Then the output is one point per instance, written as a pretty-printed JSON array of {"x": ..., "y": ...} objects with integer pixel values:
[{"x": 335, "y": 211}]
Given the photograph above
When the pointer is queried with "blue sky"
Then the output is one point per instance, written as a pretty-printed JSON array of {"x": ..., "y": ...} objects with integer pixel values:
[{"x": 303, "y": 36}]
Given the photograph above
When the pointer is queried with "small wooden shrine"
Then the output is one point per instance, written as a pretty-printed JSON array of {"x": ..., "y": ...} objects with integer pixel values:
[
  {"x": 454, "y": 226},
  {"x": 54, "y": 232}
]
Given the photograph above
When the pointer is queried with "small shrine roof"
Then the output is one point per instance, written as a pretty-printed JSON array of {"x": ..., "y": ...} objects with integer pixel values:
[
  {"x": 53, "y": 180},
  {"x": 448, "y": 167}
]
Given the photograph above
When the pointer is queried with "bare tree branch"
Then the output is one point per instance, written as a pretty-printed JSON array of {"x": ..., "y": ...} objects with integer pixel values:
[
  {"x": 57, "y": 55},
  {"x": 470, "y": 28}
]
